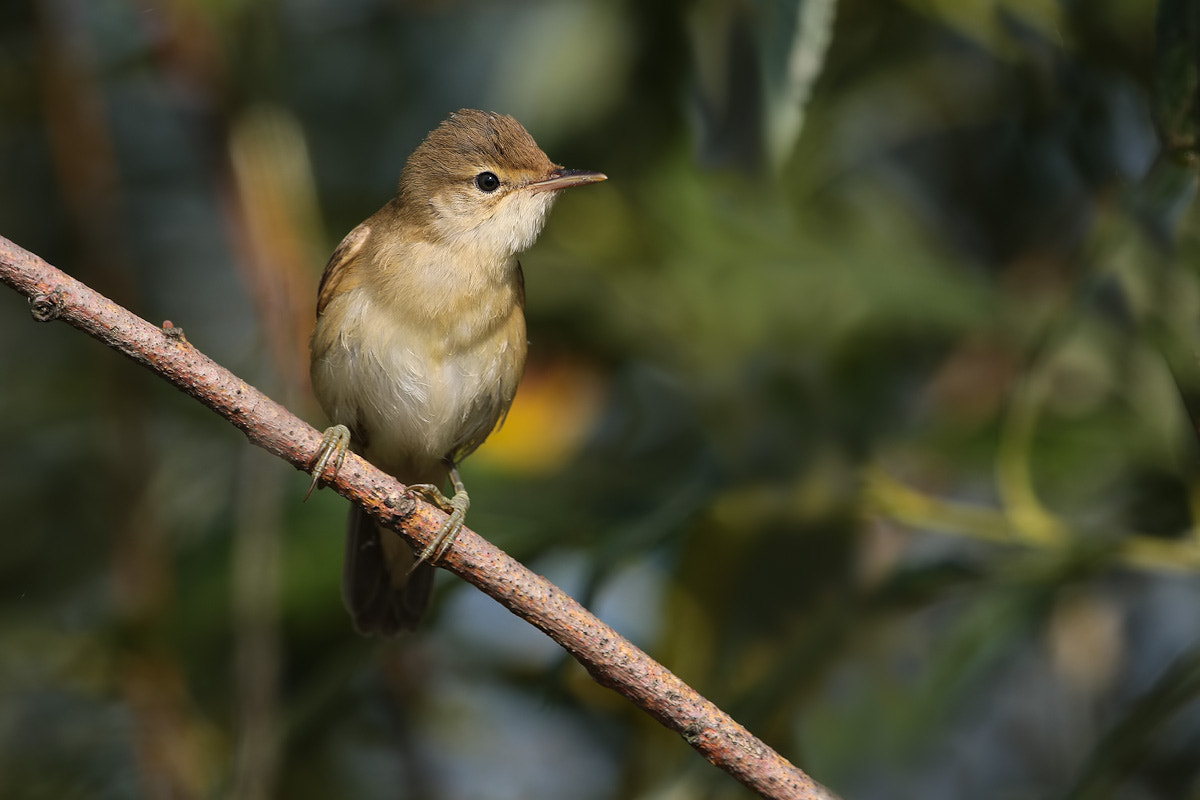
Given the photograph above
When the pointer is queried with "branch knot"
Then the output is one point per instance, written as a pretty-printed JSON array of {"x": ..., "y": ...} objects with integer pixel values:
[{"x": 46, "y": 307}]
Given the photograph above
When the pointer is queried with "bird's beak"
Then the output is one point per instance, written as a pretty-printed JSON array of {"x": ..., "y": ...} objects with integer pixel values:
[{"x": 565, "y": 179}]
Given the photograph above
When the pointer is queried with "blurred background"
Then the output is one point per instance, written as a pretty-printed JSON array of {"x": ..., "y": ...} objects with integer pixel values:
[{"x": 863, "y": 396}]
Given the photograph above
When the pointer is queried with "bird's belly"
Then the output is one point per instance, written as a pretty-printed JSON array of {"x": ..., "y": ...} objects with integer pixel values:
[
  {"x": 437, "y": 407},
  {"x": 412, "y": 402}
]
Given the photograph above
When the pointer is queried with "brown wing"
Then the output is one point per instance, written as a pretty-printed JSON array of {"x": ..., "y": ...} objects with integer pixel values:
[{"x": 338, "y": 268}]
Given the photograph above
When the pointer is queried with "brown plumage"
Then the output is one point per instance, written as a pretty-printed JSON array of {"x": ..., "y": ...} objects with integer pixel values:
[{"x": 420, "y": 337}]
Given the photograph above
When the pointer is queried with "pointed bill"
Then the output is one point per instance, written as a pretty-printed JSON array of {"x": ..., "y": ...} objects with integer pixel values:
[{"x": 565, "y": 179}]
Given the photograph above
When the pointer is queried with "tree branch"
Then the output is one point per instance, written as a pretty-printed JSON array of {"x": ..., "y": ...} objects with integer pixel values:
[{"x": 609, "y": 658}]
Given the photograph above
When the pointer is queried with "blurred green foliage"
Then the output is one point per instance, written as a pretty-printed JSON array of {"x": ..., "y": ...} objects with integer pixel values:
[{"x": 863, "y": 396}]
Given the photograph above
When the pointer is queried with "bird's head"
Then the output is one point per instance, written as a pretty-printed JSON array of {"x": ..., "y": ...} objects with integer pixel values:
[{"x": 480, "y": 181}]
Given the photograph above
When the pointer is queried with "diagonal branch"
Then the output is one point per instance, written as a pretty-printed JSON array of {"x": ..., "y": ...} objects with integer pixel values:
[{"x": 609, "y": 658}]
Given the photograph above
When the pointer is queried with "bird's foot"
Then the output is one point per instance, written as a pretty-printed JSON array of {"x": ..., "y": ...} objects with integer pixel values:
[
  {"x": 455, "y": 506},
  {"x": 334, "y": 445}
]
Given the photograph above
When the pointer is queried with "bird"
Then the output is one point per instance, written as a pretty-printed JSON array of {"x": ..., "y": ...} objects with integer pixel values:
[{"x": 420, "y": 339}]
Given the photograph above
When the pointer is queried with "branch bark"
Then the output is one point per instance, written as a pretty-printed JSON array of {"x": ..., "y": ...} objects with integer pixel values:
[{"x": 611, "y": 660}]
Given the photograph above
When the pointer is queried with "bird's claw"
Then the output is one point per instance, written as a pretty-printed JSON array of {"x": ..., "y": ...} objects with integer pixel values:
[
  {"x": 334, "y": 444},
  {"x": 455, "y": 506}
]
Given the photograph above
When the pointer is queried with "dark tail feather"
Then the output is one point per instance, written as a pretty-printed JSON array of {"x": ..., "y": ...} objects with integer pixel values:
[{"x": 381, "y": 600}]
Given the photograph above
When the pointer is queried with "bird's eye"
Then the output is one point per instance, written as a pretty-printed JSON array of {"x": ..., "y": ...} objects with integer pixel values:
[{"x": 487, "y": 182}]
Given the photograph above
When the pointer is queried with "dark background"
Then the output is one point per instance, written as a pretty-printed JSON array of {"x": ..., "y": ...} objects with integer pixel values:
[{"x": 861, "y": 404}]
